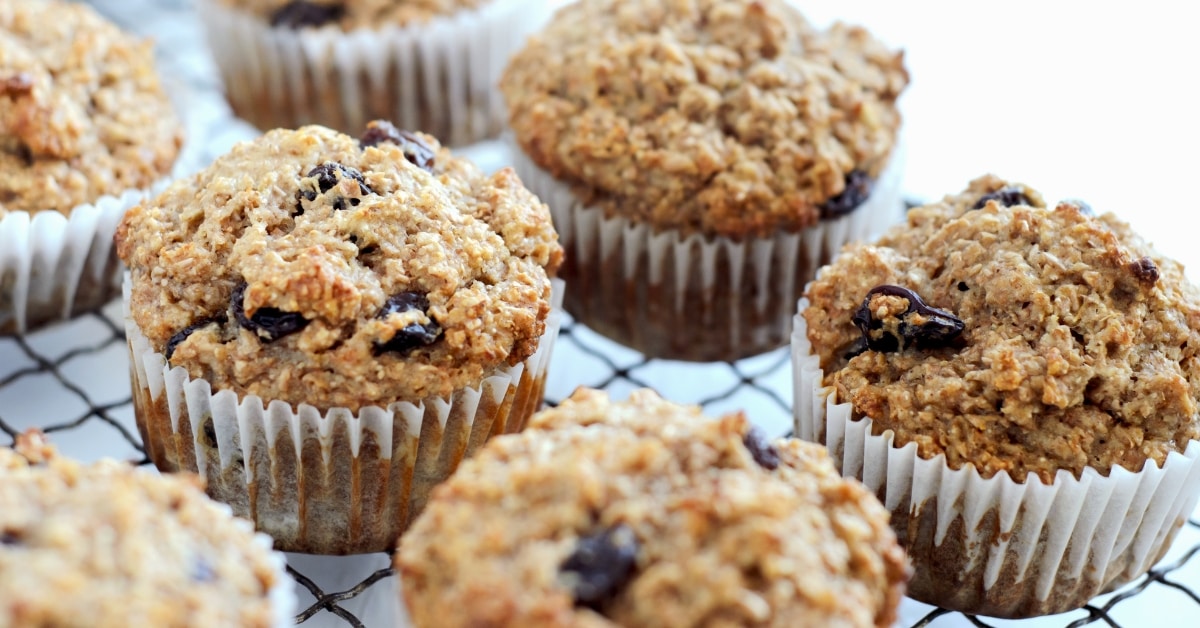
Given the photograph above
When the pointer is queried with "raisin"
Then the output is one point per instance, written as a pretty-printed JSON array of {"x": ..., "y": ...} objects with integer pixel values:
[
  {"x": 268, "y": 323},
  {"x": 327, "y": 175},
  {"x": 18, "y": 84},
  {"x": 856, "y": 192},
  {"x": 1006, "y": 197},
  {"x": 858, "y": 348},
  {"x": 10, "y": 537},
  {"x": 963, "y": 287},
  {"x": 600, "y": 566},
  {"x": 415, "y": 150},
  {"x": 183, "y": 334},
  {"x": 202, "y": 571},
  {"x": 413, "y": 335},
  {"x": 1145, "y": 270},
  {"x": 761, "y": 449},
  {"x": 936, "y": 328},
  {"x": 302, "y": 13}
]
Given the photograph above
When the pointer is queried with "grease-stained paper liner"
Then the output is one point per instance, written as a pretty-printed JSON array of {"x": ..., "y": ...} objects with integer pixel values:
[
  {"x": 693, "y": 297},
  {"x": 995, "y": 546},
  {"x": 53, "y": 266},
  {"x": 324, "y": 483},
  {"x": 438, "y": 77}
]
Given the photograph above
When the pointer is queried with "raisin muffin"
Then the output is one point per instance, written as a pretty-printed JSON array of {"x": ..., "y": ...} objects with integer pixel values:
[
  {"x": 1019, "y": 384},
  {"x": 84, "y": 122},
  {"x": 325, "y": 325},
  {"x": 646, "y": 513},
  {"x": 426, "y": 64},
  {"x": 105, "y": 545},
  {"x": 702, "y": 159}
]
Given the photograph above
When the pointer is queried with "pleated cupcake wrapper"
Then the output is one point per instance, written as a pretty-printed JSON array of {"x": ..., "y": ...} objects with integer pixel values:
[
  {"x": 694, "y": 297},
  {"x": 438, "y": 77},
  {"x": 994, "y": 546},
  {"x": 54, "y": 265},
  {"x": 326, "y": 483}
]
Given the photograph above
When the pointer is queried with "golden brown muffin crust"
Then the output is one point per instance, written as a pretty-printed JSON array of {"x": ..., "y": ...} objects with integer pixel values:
[
  {"x": 724, "y": 117},
  {"x": 352, "y": 14},
  {"x": 106, "y": 545},
  {"x": 82, "y": 113},
  {"x": 721, "y": 539},
  {"x": 1079, "y": 346},
  {"x": 312, "y": 268}
]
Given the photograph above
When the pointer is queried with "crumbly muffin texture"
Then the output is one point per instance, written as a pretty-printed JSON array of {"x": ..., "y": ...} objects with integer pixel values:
[
  {"x": 645, "y": 513},
  {"x": 351, "y": 14},
  {"x": 1078, "y": 343},
  {"x": 723, "y": 117},
  {"x": 313, "y": 267},
  {"x": 82, "y": 113},
  {"x": 107, "y": 545}
]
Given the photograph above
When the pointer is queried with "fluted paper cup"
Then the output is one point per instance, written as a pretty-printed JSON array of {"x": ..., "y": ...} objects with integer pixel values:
[
  {"x": 438, "y": 77},
  {"x": 994, "y": 546},
  {"x": 53, "y": 266},
  {"x": 332, "y": 482},
  {"x": 693, "y": 297}
]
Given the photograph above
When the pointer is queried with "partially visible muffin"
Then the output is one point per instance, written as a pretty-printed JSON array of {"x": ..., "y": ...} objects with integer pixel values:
[
  {"x": 85, "y": 129},
  {"x": 1010, "y": 378},
  {"x": 82, "y": 112},
  {"x": 106, "y": 545},
  {"x": 646, "y": 513},
  {"x": 428, "y": 65},
  {"x": 385, "y": 300},
  {"x": 730, "y": 125}
]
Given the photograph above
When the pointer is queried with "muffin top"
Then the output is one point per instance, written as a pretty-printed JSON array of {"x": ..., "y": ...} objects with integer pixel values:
[
  {"x": 108, "y": 545},
  {"x": 1013, "y": 337},
  {"x": 313, "y": 267},
  {"x": 82, "y": 114},
  {"x": 351, "y": 14},
  {"x": 646, "y": 513},
  {"x": 723, "y": 117}
]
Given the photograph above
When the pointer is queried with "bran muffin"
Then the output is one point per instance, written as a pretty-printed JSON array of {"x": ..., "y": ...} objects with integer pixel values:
[
  {"x": 702, "y": 159},
  {"x": 428, "y": 65},
  {"x": 646, "y": 513},
  {"x": 83, "y": 121},
  {"x": 1042, "y": 362},
  {"x": 378, "y": 307},
  {"x": 105, "y": 545}
]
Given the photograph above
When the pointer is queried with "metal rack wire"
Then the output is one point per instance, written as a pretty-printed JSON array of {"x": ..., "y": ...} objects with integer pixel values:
[{"x": 70, "y": 381}]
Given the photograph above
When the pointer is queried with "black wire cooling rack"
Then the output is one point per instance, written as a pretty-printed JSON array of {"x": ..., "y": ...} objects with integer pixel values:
[
  {"x": 70, "y": 365},
  {"x": 71, "y": 381}
]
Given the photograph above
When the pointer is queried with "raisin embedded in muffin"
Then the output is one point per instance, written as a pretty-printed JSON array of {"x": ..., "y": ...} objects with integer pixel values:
[{"x": 645, "y": 513}]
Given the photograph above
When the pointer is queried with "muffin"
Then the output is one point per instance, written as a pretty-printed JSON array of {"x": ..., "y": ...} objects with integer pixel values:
[
  {"x": 429, "y": 65},
  {"x": 324, "y": 326},
  {"x": 701, "y": 160},
  {"x": 84, "y": 125},
  {"x": 1018, "y": 384},
  {"x": 646, "y": 513},
  {"x": 104, "y": 545}
]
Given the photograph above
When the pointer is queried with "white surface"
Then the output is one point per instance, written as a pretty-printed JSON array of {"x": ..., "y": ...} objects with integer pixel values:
[{"x": 1079, "y": 100}]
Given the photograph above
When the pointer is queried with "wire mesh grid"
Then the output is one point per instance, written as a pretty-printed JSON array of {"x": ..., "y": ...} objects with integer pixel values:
[
  {"x": 71, "y": 381},
  {"x": 77, "y": 372}
]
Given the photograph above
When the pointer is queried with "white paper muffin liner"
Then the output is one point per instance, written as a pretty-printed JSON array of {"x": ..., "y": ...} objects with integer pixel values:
[
  {"x": 281, "y": 595},
  {"x": 438, "y": 77},
  {"x": 324, "y": 483},
  {"x": 54, "y": 265},
  {"x": 995, "y": 546},
  {"x": 695, "y": 298}
]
